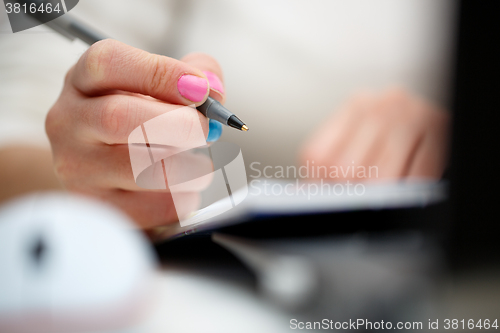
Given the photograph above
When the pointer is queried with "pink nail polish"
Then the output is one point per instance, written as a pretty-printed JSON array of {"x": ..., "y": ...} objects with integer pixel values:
[
  {"x": 215, "y": 82},
  {"x": 192, "y": 87}
]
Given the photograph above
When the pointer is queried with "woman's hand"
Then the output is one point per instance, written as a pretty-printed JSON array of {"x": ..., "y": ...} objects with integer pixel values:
[
  {"x": 113, "y": 89},
  {"x": 390, "y": 135}
]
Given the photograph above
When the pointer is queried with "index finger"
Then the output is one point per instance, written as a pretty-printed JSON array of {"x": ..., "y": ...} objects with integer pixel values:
[{"x": 110, "y": 65}]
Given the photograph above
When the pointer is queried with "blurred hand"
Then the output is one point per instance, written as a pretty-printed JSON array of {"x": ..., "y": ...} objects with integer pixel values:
[
  {"x": 389, "y": 135},
  {"x": 113, "y": 89}
]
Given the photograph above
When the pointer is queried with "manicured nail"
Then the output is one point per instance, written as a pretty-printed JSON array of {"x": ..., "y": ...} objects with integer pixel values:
[
  {"x": 215, "y": 82},
  {"x": 192, "y": 87},
  {"x": 214, "y": 130}
]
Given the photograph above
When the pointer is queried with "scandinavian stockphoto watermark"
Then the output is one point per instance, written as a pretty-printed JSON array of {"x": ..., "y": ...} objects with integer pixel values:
[{"x": 310, "y": 180}]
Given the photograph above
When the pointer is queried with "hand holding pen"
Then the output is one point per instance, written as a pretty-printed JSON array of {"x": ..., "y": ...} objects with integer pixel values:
[{"x": 113, "y": 89}]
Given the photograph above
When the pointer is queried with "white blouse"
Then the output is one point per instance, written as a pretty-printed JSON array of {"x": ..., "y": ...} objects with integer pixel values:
[{"x": 287, "y": 63}]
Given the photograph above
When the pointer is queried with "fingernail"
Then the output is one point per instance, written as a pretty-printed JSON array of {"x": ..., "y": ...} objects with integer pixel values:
[
  {"x": 192, "y": 87},
  {"x": 214, "y": 130},
  {"x": 215, "y": 82}
]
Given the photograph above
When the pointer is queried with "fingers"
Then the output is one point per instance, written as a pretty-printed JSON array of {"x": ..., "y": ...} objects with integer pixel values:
[
  {"x": 113, "y": 119},
  {"x": 182, "y": 172},
  {"x": 332, "y": 137},
  {"x": 429, "y": 160},
  {"x": 349, "y": 139},
  {"x": 152, "y": 209},
  {"x": 403, "y": 138},
  {"x": 110, "y": 65},
  {"x": 394, "y": 134},
  {"x": 192, "y": 171},
  {"x": 212, "y": 71},
  {"x": 387, "y": 137}
]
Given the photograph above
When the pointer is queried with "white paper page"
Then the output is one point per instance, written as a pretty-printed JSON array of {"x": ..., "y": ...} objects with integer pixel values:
[{"x": 374, "y": 196}]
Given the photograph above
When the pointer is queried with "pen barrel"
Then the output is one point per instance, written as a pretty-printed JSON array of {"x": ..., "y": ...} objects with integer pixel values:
[
  {"x": 67, "y": 25},
  {"x": 214, "y": 110}
]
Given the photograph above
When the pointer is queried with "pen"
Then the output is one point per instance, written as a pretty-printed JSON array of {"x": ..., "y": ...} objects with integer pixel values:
[{"x": 71, "y": 28}]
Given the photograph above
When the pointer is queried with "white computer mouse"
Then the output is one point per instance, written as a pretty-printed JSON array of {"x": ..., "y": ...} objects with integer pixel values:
[{"x": 71, "y": 264}]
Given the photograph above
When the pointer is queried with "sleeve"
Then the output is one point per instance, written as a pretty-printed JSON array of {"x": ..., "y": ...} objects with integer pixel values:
[{"x": 32, "y": 66}]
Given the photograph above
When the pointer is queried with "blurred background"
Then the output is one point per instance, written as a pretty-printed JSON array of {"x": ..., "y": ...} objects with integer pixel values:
[{"x": 287, "y": 65}]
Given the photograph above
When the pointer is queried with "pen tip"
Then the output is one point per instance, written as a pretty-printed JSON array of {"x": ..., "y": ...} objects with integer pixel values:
[{"x": 236, "y": 122}]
